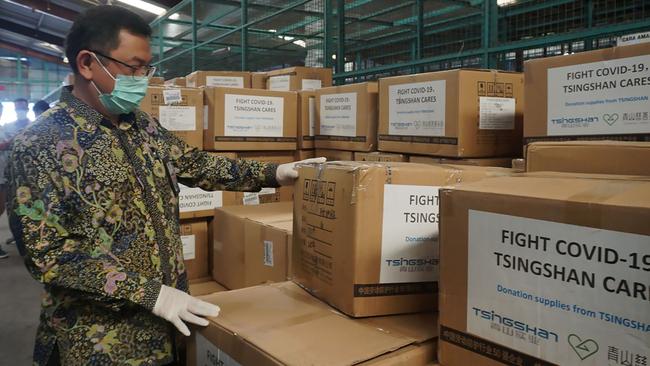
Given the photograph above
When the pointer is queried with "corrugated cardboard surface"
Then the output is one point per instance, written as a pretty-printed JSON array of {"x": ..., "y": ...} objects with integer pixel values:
[
  {"x": 234, "y": 266},
  {"x": 338, "y": 218},
  {"x": 197, "y": 267},
  {"x": 198, "y": 78},
  {"x": 281, "y": 324},
  {"x": 367, "y": 118},
  {"x": 606, "y": 202},
  {"x": 335, "y": 155},
  {"x": 190, "y": 97},
  {"x": 205, "y": 288},
  {"x": 305, "y": 141},
  {"x": 156, "y": 80},
  {"x": 462, "y": 136},
  {"x": 595, "y": 157},
  {"x": 179, "y": 81},
  {"x": 214, "y": 138},
  {"x": 496, "y": 162},
  {"x": 536, "y": 91},
  {"x": 298, "y": 73},
  {"x": 281, "y": 194},
  {"x": 258, "y": 80},
  {"x": 304, "y": 154},
  {"x": 380, "y": 156}
]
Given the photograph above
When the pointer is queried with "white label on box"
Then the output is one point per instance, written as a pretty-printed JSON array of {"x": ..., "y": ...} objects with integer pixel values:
[
  {"x": 225, "y": 81},
  {"x": 417, "y": 109},
  {"x": 196, "y": 199},
  {"x": 338, "y": 114},
  {"x": 571, "y": 295},
  {"x": 496, "y": 113},
  {"x": 207, "y": 354},
  {"x": 600, "y": 98},
  {"x": 190, "y": 83},
  {"x": 205, "y": 117},
  {"x": 636, "y": 38},
  {"x": 409, "y": 240},
  {"x": 189, "y": 247},
  {"x": 312, "y": 116},
  {"x": 280, "y": 83},
  {"x": 311, "y": 84},
  {"x": 177, "y": 118},
  {"x": 253, "y": 198},
  {"x": 256, "y": 116},
  {"x": 171, "y": 96},
  {"x": 268, "y": 253}
]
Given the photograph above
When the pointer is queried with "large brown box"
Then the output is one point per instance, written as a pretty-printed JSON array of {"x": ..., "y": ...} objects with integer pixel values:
[
  {"x": 266, "y": 195},
  {"x": 596, "y": 95},
  {"x": 299, "y": 78},
  {"x": 304, "y": 154},
  {"x": 226, "y": 79},
  {"x": 156, "y": 80},
  {"x": 347, "y": 117},
  {"x": 281, "y": 324},
  {"x": 194, "y": 235},
  {"x": 335, "y": 155},
  {"x": 366, "y": 234},
  {"x": 258, "y": 80},
  {"x": 179, "y": 110},
  {"x": 250, "y": 119},
  {"x": 380, "y": 156},
  {"x": 204, "y": 287},
  {"x": 179, "y": 81},
  {"x": 240, "y": 249},
  {"x": 307, "y": 119},
  {"x": 595, "y": 157},
  {"x": 457, "y": 113},
  {"x": 496, "y": 162},
  {"x": 543, "y": 269}
]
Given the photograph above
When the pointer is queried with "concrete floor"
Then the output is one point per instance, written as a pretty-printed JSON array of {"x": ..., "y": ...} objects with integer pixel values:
[{"x": 20, "y": 297}]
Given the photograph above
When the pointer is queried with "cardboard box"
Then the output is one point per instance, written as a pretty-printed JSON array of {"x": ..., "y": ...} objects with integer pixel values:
[
  {"x": 240, "y": 252},
  {"x": 266, "y": 195},
  {"x": 456, "y": 113},
  {"x": 194, "y": 235},
  {"x": 205, "y": 288},
  {"x": 281, "y": 324},
  {"x": 179, "y": 81},
  {"x": 258, "y": 80},
  {"x": 596, "y": 157},
  {"x": 539, "y": 267},
  {"x": 366, "y": 233},
  {"x": 335, "y": 155},
  {"x": 156, "y": 80},
  {"x": 347, "y": 117},
  {"x": 519, "y": 165},
  {"x": 226, "y": 79},
  {"x": 307, "y": 119},
  {"x": 304, "y": 154},
  {"x": 179, "y": 110},
  {"x": 299, "y": 78},
  {"x": 380, "y": 156},
  {"x": 250, "y": 119},
  {"x": 496, "y": 162},
  {"x": 595, "y": 95}
]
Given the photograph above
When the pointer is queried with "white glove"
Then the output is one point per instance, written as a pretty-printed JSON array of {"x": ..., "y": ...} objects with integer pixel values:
[
  {"x": 176, "y": 306},
  {"x": 287, "y": 173}
]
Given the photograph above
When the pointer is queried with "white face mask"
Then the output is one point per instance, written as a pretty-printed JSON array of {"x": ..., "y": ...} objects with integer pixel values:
[{"x": 21, "y": 114}]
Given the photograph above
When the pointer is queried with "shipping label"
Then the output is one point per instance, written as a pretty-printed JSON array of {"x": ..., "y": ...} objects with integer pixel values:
[
  {"x": 409, "y": 241},
  {"x": 177, "y": 118},
  {"x": 205, "y": 117},
  {"x": 258, "y": 116},
  {"x": 268, "y": 253},
  {"x": 171, "y": 96},
  {"x": 311, "y": 84},
  {"x": 312, "y": 116},
  {"x": 280, "y": 83},
  {"x": 567, "y": 294},
  {"x": 600, "y": 98},
  {"x": 196, "y": 199},
  {"x": 225, "y": 81},
  {"x": 189, "y": 247},
  {"x": 338, "y": 114},
  {"x": 207, "y": 354},
  {"x": 253, "y": 198},
  {"x": 417, "y": 109},
  {"x": 496, "y": 113}
]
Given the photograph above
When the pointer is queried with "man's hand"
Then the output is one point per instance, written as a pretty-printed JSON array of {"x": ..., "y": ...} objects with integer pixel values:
[
  {"x": 287, "y": 173},
  {"x": 176, "y": 306}
]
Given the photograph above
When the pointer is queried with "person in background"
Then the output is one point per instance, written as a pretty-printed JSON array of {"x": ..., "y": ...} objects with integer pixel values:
[
  {"x": 7, "y": 133},
  {"x": 40, "y": 107},
  {"x": 3, "y": 197},
  {"x": 94, "y": 187}
]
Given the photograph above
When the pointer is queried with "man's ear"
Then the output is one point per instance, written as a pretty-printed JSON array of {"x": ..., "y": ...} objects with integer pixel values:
[{"x": 84, "y": 61}]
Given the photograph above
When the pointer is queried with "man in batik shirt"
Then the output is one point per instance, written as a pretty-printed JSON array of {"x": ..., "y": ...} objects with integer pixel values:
[{"x": 94, "y": 200}]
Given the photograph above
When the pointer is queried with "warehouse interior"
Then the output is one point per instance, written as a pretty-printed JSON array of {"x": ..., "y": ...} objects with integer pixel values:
[{"x": 485, "y": 198}]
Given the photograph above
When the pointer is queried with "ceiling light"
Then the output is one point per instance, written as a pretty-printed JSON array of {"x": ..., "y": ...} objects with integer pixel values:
[
  {"x": 143, "y": 5},
  {"x": 333, "y": 57},
  {"x": 300, "y": 43},
  {"x": 174, "y": 16},
  {"x": 65, "y": 60}
]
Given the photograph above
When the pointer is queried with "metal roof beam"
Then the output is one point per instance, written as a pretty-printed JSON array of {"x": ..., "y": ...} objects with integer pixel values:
[
  {"x": 49, "y": 8},
  {"x": 31, "y": 53},
  {"x": 30, "y": 32}
]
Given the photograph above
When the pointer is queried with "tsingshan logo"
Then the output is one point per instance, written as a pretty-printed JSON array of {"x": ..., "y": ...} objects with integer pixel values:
[{"x": 514, "y": 327}]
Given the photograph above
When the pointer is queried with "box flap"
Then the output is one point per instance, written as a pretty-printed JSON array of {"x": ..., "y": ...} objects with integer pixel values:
[
  {"x": 295, "y": 328},
  {"x": 205, "y": 288},
  {"x": 270, "y": 212}
]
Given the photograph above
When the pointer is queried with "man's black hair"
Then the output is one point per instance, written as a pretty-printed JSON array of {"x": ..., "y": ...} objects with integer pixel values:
[
  {"x": 99, "y": 28},
  {"x": 41, "y": 106}
]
